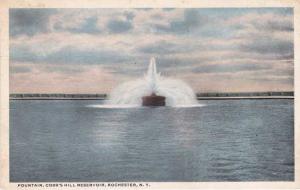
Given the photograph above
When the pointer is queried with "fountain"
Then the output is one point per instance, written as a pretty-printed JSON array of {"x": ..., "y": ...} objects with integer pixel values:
[
  {"x": 153, "y": 99},
  {"x": 153, "y": 90}
]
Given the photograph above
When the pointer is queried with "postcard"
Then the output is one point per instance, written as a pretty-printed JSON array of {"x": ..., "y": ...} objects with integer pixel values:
[{"x": 149, "y": 95}]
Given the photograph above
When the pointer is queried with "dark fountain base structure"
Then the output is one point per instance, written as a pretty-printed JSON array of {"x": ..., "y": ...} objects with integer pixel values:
[{"x": 154, "y": 100}]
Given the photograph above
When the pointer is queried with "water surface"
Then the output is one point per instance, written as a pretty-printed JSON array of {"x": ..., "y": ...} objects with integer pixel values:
[{"x": 226, "y": 140}]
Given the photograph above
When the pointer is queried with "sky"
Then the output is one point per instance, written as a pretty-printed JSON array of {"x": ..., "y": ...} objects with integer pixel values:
[{"x": 94, "y": 50}]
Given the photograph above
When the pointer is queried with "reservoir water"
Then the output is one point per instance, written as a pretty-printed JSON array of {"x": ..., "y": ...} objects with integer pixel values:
[{"x": 224, "y": 140}]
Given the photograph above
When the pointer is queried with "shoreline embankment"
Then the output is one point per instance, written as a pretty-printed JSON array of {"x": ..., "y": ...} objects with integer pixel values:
[{"x": 200, "y": 96}]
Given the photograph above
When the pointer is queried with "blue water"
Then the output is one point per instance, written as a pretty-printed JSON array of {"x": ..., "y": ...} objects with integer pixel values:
[{"x": 226, "y": 140}]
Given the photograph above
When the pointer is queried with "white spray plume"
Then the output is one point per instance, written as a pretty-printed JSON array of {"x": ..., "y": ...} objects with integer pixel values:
[{"x": 177, "y": 92}]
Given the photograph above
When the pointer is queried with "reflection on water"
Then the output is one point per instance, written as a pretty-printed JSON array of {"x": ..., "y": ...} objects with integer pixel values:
[{"x": 225, "y": 140}]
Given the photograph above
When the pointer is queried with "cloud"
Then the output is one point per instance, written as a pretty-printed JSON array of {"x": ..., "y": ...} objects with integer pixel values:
[
  {"x": 119, "y": 26},
  {"x": 95, "y": 79},
  {"x": 267, "y": 21},
  {"x": 68, "y": 55},
  {"x": 89, "y": 26},
  {"x": 129, "y": 15},
  {"x": 229, "y": 68},
  {"x": 19, "y": 69},
  {"x": 200, "y": 45},
  {"x": 164, "y": 47},
  {"x": 168, "y": 9},
  {"x": 264, "y": 33},
  {"x": 278, "y": 25},
  {"x": 132, "y": 69},
  {"x": 268, "y": 45},
  {"x": 29, "y": 21},
  {"x": 64, "y": 69},
  {"x": 21, "y": 54},
  {"x": 191, "y": 19},
  {"x": 161, "y": 47}
]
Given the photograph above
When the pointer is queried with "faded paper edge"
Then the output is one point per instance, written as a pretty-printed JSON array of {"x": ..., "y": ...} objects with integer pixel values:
[{"x": 4, "y": 78}]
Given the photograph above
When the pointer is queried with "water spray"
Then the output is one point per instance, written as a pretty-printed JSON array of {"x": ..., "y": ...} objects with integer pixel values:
[{"x": 176, "y": 92}]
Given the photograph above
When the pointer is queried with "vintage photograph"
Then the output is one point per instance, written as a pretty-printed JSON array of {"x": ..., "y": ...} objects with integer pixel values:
[{"x": 151, "y": 94}]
